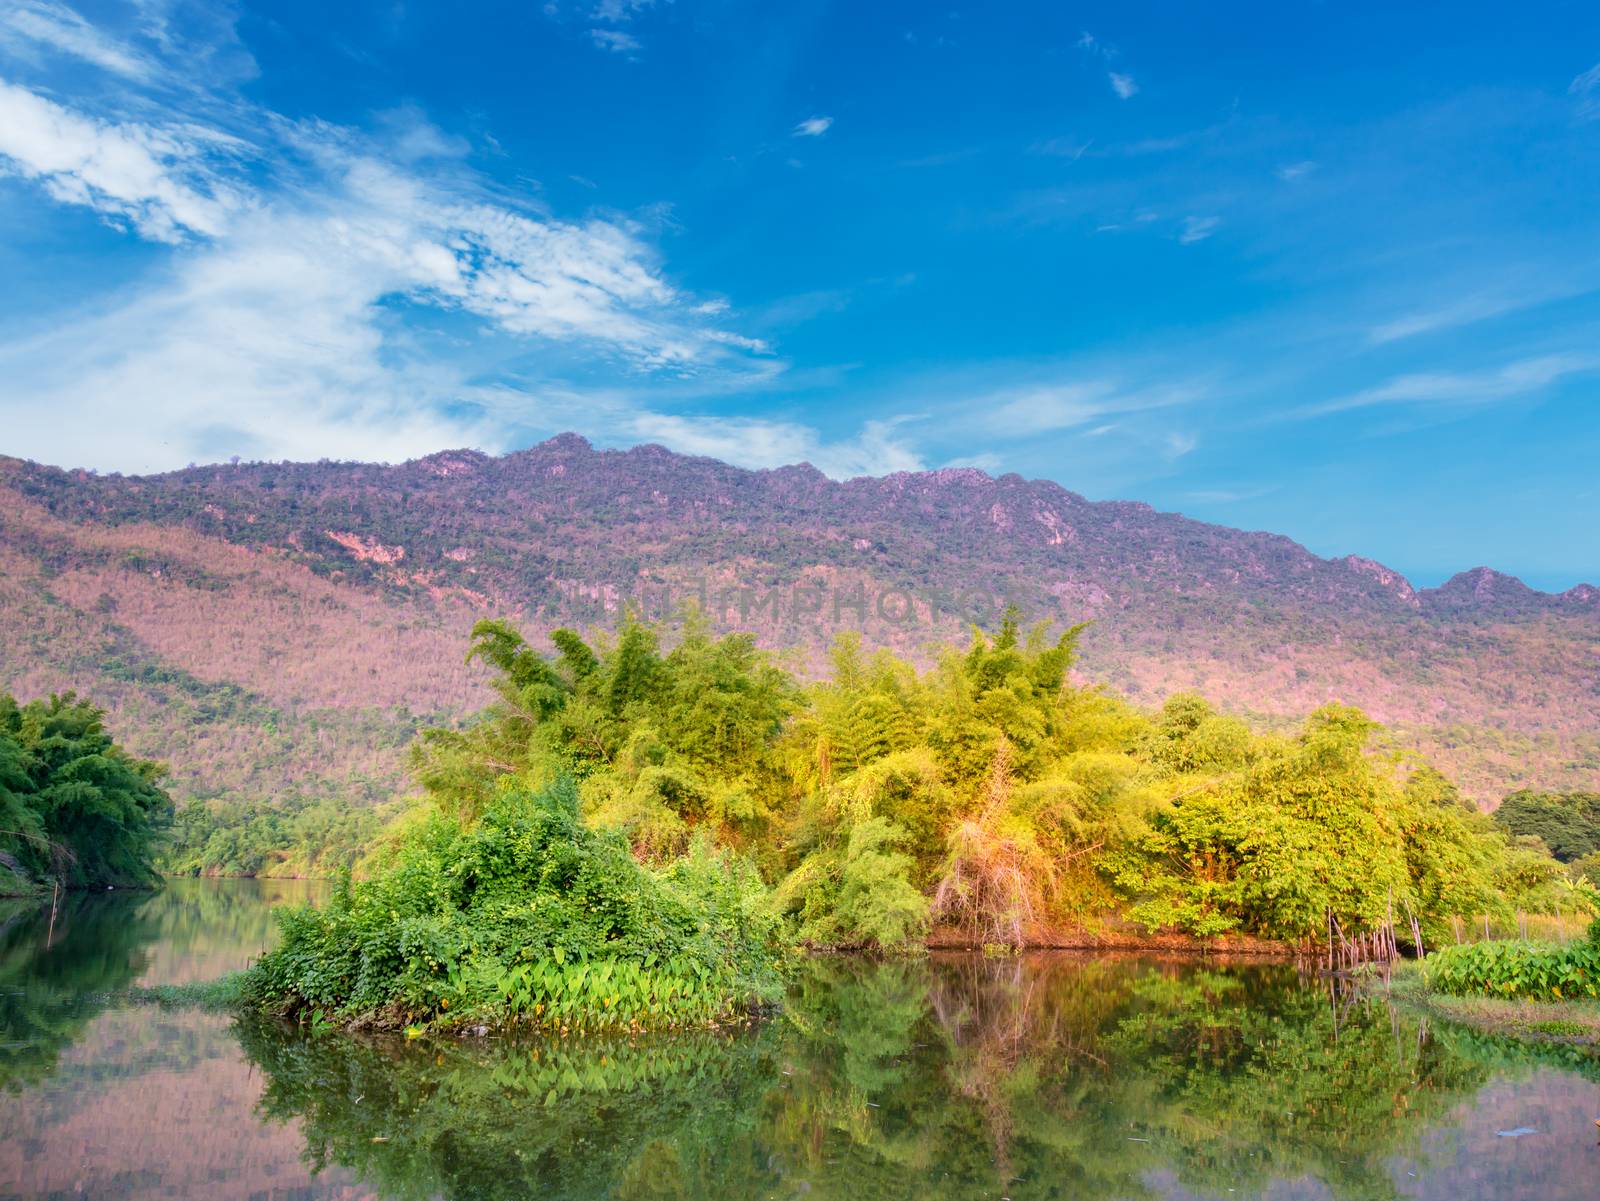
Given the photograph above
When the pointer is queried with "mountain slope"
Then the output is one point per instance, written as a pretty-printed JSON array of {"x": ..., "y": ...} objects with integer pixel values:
[{"x": 269, "y": 626}]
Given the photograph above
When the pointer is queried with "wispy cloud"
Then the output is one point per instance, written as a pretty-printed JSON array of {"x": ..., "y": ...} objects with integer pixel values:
[
  {"x": 1179, "y": 443},
  {"x": 616, "y": 41},
  {"x": 148, "y": 48},
  {"x": 1586, "y": 88},
  {"x": 1040, "y": 408},
  {"x": 1293, "y": 171},
  {"x": 272, "y": 331},
  {"x": 761, "y": 443},
  {"x": 1121, "y": 82},
  {"x": 1232, "y": 494},
  {"x": 59, "y": 28},
  {"x": 813, "y": 127},
  {"x": 1198, "y": 229},
  {"x": 1522, "y": 377},
  {"x": 618, "y": 11},
  {"x": 1062, "y": 148},
  {"x": 1516, "y": 289},
  {"x": 604, "y": 20},
  {"x": 164, "y": 181},
  {"x": 1463, "y": 312}
]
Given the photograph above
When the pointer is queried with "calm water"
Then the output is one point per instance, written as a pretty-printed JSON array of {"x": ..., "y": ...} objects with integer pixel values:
[{"x": 1048, "y": 1077}]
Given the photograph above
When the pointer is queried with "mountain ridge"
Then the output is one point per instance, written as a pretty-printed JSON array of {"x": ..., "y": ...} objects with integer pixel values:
[
  {"x": 1491, "y": 677},
  {"x": 1481, "y": 580}
]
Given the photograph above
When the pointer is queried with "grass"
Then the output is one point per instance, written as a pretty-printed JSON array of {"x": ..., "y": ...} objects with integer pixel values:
[
  {"x": 1569, "y": 1022},
  {"x": 223, "y": 993}
]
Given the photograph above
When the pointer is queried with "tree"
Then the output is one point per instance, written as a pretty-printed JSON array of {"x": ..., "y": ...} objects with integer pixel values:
[
  {"x": 1567, "y": 822},
  {"x": 74, "y": 805}
]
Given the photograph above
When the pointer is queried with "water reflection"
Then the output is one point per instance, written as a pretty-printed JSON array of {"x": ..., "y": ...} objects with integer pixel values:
[
  {"x": 63, "y": 965},
  {"x": 1039, "y": 1078},
  {"x": 954, "y": 1077},
  {"x": 55, "y": 974}
]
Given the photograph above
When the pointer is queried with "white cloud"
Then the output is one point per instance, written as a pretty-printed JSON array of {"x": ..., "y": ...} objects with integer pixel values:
[
  {"x": 615, "y": 40},
  {"x": 59, "y": 28},
  {"x": 760, "y": 443},
  {"x": 1587, "y": 90},
  {"x": 1228, "y": 495},
  {"x": 1293, "y": 171},
  {"x": 618, "y": 11},
  {"x": 1520, "y": 378},
  {"x": 1512, "y": 296},
  {"x": 1123, "y": 85},
  {"x": 986, "y": 461},
  {"x": 1178, "y": 443},
  {"x": 813, "y": 127},
  {"x": 146, "y": 49},
  {"x": 1038, "y": 409},
  {"x": 1198, "y": 229},
  {"x": 1464, "y": 312},
  {"x": 163, "y": 181},
  {"x": 276, "y": 328}
]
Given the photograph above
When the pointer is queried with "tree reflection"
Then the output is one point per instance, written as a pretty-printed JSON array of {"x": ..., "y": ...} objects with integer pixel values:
[{"x": 962, "y": 1077}]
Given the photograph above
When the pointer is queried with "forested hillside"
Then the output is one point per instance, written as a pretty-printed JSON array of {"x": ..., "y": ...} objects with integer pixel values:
[{"x": 285, "y": 628}]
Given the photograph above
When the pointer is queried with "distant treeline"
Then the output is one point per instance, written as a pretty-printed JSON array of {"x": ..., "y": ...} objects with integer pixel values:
[
  {"x": 75, "y": 808},
  {"x": 1567, "y": 824},
  {"x": 293, "y": 837}
]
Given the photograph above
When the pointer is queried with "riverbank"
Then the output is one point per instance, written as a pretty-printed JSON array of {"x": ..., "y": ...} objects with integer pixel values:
[
  {"x": 15, "y": 882},
  {"x": 1571, "y": 1023},
  {"x": 1113, "y": 933}
]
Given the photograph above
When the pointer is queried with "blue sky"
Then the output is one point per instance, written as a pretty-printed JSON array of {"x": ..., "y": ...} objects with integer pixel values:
[{"x": 1328, "y": 270}]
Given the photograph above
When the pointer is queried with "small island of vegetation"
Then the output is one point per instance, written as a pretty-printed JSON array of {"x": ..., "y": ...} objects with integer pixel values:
[{"x": 632, "y": 836}]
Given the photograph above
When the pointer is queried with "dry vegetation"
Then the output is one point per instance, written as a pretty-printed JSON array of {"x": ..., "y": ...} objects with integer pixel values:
[{"x": 278, "y": 626}]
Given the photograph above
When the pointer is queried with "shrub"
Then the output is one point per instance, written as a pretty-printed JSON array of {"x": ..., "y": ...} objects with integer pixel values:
[
  {"x": 1538, "y": 970},
  {"x": 528, "y": 916}
]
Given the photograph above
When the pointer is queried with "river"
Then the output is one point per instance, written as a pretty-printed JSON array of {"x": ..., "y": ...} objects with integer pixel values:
[{"x": 1045, "y": 1076}]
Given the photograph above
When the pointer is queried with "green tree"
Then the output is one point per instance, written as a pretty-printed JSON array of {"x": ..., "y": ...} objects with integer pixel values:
[{"x": 75, "y": 806}]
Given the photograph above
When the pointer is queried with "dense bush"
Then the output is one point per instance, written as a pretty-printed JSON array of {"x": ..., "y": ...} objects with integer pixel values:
[
  {"x": 74, "y": 806},
  {"x": 529, "y": 916},
  {"x": 1568, "y": 823},
  {"x": 988, "y": 794},
  {"x": 1539, "y": 970}
]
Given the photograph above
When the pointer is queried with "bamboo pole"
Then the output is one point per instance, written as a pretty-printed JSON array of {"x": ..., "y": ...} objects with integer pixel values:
[{"x": 55, "y": 901}]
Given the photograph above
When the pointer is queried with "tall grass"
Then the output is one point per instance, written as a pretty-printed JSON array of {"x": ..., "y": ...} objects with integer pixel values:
[{"x": 1535, "y": 927}]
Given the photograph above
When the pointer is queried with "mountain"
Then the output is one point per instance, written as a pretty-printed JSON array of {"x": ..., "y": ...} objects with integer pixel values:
[{"x": 270, "y": 627}]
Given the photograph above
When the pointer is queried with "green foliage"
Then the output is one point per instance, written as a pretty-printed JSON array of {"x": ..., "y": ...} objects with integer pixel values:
[
  {"x": 1317, "y": 829},
  {"x": 988, "y": 794},
  {"x": 1568, "y": 823},
  {"x": 1269, "y": 850},
  {"x": 966, "y": 770},
  {"x": 1541, "y": 971},
  {"x": 74, "y": 806},
  {"x": 295, "y": 837},
  {"x": 528, "y": 916},
  {"x": 671, "y": 741},
  {"x": 1587, "y": 870},
  {"x": 855, "y": 891}
]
